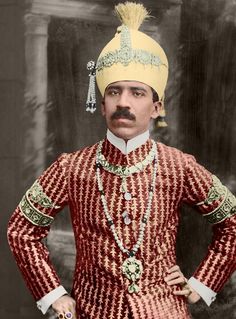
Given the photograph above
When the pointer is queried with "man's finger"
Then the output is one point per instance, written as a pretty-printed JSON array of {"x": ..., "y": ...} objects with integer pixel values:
[
  {"x": 173, "y": 268},
  {"x": 174, "y": 275},
  {"x": 176, "y": 281},
  {"x": 184, "y": 292}
]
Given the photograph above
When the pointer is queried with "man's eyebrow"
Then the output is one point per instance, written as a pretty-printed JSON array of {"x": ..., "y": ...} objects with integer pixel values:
[
  {"x": 116, "y": 87},
  {"x": 132, "y": 88},
  {"x": 139, "y": 88}
]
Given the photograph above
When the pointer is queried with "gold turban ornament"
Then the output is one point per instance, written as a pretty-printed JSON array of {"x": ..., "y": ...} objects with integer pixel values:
[{"x": 130, "y": 56}]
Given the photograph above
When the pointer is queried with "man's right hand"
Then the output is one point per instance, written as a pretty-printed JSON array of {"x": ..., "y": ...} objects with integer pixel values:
[{"x": 65, "y": 305}]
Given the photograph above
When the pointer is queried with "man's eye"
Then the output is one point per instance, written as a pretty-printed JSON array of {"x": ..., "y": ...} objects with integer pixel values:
[
  {"x": 138, "y": 94},
  {"x": 113, "y": 92}
]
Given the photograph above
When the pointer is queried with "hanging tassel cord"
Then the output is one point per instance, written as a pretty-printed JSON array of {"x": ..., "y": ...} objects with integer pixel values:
[{"x": 91, "y": 97}]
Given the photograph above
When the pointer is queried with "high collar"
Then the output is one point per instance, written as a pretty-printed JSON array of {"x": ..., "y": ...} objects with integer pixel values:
[
  {"x": 130, "y": 145},
  {"x": 137, "y": 150}
]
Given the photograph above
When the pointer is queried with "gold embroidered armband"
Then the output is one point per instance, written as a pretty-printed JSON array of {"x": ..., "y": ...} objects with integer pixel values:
[
  {"x": 216, "y": 192},
  {"x": 35, "y": 194},
  {"x": 33, "y": 214},
  {"x": 226, "y": 209}
]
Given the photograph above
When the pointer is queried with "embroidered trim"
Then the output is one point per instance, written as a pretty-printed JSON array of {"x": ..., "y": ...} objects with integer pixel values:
[
  {"x": 226, "y": 209},
  {"x": 125, "y": 171},
  {"x": 126, "y": 54},
  {"x": 33, "y": 214},
  {"x": 36, "y": 195},
  {"x": 216, "y": 192}
]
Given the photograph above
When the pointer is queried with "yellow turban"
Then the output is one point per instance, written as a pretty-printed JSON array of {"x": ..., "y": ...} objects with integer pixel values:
[{"x": 131, "y": 54}]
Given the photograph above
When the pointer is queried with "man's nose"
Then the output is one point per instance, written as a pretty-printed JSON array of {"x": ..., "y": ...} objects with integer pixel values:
[{"x": 124, "y": 100}]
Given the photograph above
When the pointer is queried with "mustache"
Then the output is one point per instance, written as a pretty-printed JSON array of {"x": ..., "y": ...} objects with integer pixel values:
[{"x": 123, "y": 113}]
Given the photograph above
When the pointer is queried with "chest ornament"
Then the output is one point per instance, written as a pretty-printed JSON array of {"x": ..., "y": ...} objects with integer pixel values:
[
  {"x": 132, "y": 268},
  {"x": 124, "y": 171}
]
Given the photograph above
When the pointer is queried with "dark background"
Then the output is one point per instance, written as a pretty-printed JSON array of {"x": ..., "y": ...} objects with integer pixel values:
[{"x": 199, "y": 39}]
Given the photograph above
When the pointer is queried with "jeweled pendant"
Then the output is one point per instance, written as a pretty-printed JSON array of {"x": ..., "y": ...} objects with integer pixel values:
[
  {"x": 127, "y": 196},
  {"x": 126, "y": 218},
  {"x": 132, "y": 268}
]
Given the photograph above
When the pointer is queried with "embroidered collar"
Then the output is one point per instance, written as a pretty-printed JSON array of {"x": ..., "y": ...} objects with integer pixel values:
[{"x": 131, "y": 145}]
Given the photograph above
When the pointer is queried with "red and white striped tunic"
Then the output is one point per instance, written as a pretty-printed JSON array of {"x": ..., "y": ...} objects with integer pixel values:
[{"x": 99, "y": 287}]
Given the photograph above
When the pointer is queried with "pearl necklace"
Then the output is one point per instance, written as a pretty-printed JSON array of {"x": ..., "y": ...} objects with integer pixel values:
[
  {"x": 131, "y": 268},
  {"x": 124, "y": 172}
]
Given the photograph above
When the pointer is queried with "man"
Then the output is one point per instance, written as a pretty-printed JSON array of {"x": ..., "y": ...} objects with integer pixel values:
[{"x": 124, "y": 195}]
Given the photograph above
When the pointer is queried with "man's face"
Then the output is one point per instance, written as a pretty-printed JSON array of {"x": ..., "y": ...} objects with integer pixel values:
[{"x": 128, "y": 108}]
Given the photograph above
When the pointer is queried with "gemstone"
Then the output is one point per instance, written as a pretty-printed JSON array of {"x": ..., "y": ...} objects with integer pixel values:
[
  {"x": 127, "y": 196},
  {"x": 144, "y": 220},
  {"x": 132, "y": 268},
  {"x": 127, "y": 220},
  {"x": 110, "y": 222},
  {"x": 126, "y": 217},
  {"x": 124, "y": 214},
  {"x": 131, "y": 253},
  {"x": 133, "y": 288}
]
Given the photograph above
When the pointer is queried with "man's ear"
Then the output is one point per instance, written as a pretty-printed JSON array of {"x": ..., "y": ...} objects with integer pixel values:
[{"x": 158, "y": 107}]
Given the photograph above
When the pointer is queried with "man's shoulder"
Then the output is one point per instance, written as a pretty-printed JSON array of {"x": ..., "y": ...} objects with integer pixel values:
[
  {"x": 87, "y": 150},
  {"x": 163, "y": 148},
  {"x": 84, "y": 153},
  {"x": 167, "y": 152}
]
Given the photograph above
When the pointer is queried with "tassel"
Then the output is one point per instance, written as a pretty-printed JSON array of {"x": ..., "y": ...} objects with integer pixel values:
[
  {"x": 161, "y": 122},
  {"x": 91, "y": 97},
  {"x": 131, "y": 14}
]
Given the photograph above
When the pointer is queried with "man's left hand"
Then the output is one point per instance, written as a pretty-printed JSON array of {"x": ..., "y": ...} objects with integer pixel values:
[{"x": 175, "y": 277}]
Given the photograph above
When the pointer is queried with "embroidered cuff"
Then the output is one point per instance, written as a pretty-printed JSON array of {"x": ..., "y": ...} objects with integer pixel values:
[
  {"x": 45, "y": 303},
  {"x": 206, "y": 293}
]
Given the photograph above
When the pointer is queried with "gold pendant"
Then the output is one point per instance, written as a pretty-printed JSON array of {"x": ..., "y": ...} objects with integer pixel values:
[{"x": 132, "y": 269}]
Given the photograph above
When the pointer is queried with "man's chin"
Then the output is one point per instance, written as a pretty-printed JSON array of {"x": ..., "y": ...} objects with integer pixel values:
[{"x": 126, "y": 133}]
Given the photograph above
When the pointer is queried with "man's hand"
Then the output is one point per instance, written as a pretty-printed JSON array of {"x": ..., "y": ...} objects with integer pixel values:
[
  {"x": 176, "y": 277},
  {"x": 65, "y": 305}
]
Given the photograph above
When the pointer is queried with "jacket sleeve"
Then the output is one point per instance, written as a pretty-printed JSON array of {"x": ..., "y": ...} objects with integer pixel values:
[
  {"x": 218, "y": 205},
  {"x": 30, "y": 223}
]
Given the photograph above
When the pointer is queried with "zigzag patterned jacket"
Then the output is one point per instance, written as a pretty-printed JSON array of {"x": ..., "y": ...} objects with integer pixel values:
[{"x": 99, "y": 287}]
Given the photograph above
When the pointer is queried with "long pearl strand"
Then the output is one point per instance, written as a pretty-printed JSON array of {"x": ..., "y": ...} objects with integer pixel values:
[{"x": 144, "y": 220}]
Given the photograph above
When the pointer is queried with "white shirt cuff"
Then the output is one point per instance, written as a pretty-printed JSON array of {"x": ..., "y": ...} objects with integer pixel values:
[
  {"x": 45, "y": 303},
  {"x": 206, "y": 293}
]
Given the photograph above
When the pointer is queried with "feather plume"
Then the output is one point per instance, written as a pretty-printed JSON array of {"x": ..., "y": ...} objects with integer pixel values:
[{"x": 131, "y": 14}]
